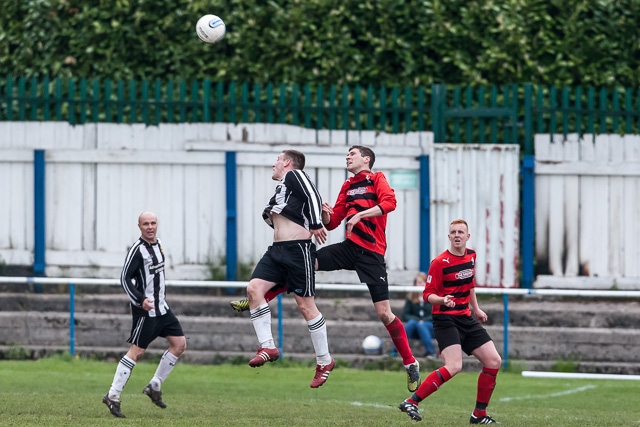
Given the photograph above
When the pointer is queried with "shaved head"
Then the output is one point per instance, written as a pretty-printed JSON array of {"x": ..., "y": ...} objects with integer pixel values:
[{"x": 148, "y": 225}]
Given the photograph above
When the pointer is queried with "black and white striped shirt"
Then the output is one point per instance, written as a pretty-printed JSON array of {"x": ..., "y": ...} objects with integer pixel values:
[
  {"x": 143, "y": 277},
  {"x": 296, "y": 199}
]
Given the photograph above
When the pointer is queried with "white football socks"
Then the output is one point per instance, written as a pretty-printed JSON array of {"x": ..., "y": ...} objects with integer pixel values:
[
  {"x": 123, "y": 372},
  {"x": 167, "y": 362},
  {"x": 318, "y": 330},
  {"x": 261, "y": 319}
]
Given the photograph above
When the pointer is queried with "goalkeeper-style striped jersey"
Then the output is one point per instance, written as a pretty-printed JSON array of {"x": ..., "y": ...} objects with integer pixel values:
[
  {"x": 452, "y": 275},
  {"x": 359, "y": 193}
]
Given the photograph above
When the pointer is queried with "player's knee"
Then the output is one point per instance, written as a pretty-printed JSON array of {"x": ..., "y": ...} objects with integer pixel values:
[
  {"x": 454, "y": 368},
  {"x": 495, "y": 362},
  {"x": 179, "y": 348},
  {"x": 135, "y": 353},
  {"x": 308, "y": 309},
  {"x": 386, "y": 317},
  {"x": 254, "y": 290}
]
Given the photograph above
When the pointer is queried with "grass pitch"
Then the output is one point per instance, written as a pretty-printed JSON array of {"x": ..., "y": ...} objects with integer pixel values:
[{"x": 65, "y": 392}]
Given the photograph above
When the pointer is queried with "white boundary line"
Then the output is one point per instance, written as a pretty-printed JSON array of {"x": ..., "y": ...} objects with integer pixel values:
[
  {"x": 546, "y": 396},
  {"x": 578, "y": 376},
  {"x": 371, "y": 405}
]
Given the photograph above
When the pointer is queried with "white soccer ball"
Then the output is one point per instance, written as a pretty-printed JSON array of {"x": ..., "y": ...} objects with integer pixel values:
[
  {"x": 372, "y": 345},
  {"x": 211, "y": 29}
]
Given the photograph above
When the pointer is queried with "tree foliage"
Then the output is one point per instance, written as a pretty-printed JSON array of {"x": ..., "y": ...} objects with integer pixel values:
[{"x": 379, "y": 42}]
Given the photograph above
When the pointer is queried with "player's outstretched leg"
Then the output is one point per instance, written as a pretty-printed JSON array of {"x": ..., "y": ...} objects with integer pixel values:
[
  {"x": 410, "y": 409},
  {"x": 243, "y": 304},
  {"x": 413, "y": 376},
  {"x": 398, "y": 335}
]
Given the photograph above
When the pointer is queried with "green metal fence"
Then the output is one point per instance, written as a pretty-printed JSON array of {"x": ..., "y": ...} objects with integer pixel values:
[
  {"x": 482, "y": 114},
  {"x": 553, "y": 110},
  {"x": 81, "y": 101}
]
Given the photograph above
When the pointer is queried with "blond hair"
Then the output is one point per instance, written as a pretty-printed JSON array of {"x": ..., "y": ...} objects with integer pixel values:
[{"x": 459, "y": 221}]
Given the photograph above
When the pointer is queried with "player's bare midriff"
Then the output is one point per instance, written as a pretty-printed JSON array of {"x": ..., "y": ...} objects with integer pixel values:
[{"x": 284, "y": 229}]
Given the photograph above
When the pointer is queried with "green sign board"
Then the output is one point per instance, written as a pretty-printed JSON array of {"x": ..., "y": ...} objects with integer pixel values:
[{"x": 403, "y": 180}]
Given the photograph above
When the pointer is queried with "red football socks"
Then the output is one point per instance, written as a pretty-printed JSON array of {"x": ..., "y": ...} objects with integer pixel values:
[
  {"x": 399, "y": 337},
  {"x": 486, "y": 384},
  {"x": 432, "y": 383}
]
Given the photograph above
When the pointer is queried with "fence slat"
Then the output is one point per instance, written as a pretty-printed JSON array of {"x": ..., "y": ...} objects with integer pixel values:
[
  {"x": 282, "y": 104},
  {"x": 332, "y": 107},
  {"x": 269, "y": 103},
  {"x": 195, "y": 91},
  {"x": 456, "y": 120},
  {"x": 83, "y": 100},
  {"x": 469, "y": 121},
  {"x": 319, "y": 105},
  {"x": 206, "y": 99},
  {"x": 168, "y": 96},
  {"x": 33, "y": 101},
  {"x": 58, "y": 99},
  {"x": 220, "y": 102},
  {"x": 295, "y": 108},
  {"x": 71, "y": 89},
  {"x": 95, "y": 106},
  {"x": 182, "y": 93},
  {"x": 232, "y": 102},
  {"x": 120, "y": 102},
  {"x": 481, "y": 125},
  {"x": 345, "y": 108},
  {"x": 144, "y": 98},
  {"x": 382, "y": 102},
  {"x": 21, "y": 98},
  {"x": 133, "y": 102},
  {"x": 244, "y": 98},
  {"x": 157, "y": 102}
]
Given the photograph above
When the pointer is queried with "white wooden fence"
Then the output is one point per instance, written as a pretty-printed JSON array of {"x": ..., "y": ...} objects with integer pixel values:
[
  {"x": 101, "y": 176},
  {"x": 587, "y": 204},
  {"x": 479, "y": 183}
]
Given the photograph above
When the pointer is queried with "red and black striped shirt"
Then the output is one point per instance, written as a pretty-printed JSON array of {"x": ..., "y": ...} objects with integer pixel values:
[
  {"x": 359, "y": 193},
  {"x": 452, "y": 275}
]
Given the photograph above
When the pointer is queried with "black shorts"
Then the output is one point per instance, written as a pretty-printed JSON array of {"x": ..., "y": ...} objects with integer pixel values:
[
  {"x": 145, "y": 329},
  {"x": 292, "y": 263},
  {"x": 463, "y": 330},
  {"x": 370, "y": 266}
]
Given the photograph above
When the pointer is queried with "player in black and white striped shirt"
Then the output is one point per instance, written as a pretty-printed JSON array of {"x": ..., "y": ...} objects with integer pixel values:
[
  {"x": 143, "y": 281},
  {"x": 295, "y": 213}
]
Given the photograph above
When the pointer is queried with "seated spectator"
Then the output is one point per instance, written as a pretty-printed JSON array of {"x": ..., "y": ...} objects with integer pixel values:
[{"x": 416, "y": 316}]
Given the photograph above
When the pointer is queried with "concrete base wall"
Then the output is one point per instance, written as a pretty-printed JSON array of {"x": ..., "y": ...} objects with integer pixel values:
[{"x": 595, "y": 336}]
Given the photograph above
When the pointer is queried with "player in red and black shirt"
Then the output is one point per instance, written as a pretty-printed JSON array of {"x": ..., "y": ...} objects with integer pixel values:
[
  {"x": 364, "y": 201},
  {"x": 450, "y": 290}
]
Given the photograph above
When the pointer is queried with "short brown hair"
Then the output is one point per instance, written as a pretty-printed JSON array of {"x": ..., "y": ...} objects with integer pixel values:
[
  {"x": 366, "y": 152},
  {"x": 296, "y": 157}
]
